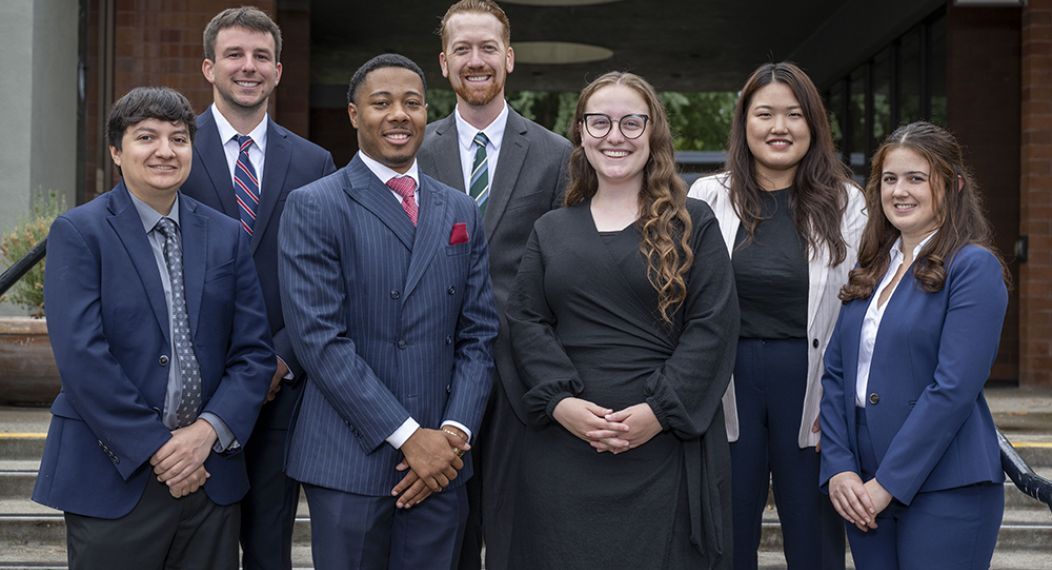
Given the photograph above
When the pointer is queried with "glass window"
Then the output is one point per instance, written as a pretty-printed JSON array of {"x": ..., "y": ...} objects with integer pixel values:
[
  {"x": 937, "y": 75},
  {"x": 857, "y": 120},
  {"x": 835, "y": 108},
  {"x": 882, "y": 70},
  {"x": 910, "y": 77}
]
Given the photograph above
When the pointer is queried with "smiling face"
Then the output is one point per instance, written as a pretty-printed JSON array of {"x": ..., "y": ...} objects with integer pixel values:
[
  {"x": 475, "y": 58},
  {"x": 154, "y": 158},
  {"x": 390, "y": 114},
  {"x": 614, "y": 157},
  {"x": 245, "y": 71},
  {"x": 906, "y": 195},
  {"x": 776, "y": 132}
]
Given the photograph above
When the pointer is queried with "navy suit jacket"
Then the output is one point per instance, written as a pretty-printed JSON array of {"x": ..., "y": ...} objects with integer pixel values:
[
  {"x": 108, "y": 324},
  {"x": 291, "y": 161},
  {"x": 389, "y": 321},
  {"x": 930, "y": 426}
]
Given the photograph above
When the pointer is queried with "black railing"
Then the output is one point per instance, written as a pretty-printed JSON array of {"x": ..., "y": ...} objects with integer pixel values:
[
  {"x": 1013, "y": 464},
  {"x": 22, "y": 266}
]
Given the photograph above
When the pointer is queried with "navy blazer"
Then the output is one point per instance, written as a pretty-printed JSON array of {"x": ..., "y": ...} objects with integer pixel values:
[
  {"x": 388, "y": 320},
  {"x": 108, "y": 324},
  {"x": 291, "y": 161},
  {"x": 930, "y": 426}
]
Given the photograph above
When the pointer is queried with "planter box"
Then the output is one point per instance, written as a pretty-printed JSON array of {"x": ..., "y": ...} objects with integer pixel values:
[{"x": 28, "y": 375}]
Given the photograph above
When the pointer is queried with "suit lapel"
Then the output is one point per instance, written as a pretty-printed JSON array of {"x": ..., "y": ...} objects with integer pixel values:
[
  {"x": 194, "y": 233},
  {"x": 429, "y": 233},
  {"x": 210, "y": 153},
  {"x": 279, "y": 154},
  {"x": 447, "y": 153},
  {"x": 128, "y": 225},
  {"x": 512, "y": 156},
  {"x": 366, "y": 189}
]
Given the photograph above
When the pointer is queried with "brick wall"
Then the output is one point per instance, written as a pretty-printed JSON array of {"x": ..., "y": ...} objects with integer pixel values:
[{"x": 1035, "y": 276}]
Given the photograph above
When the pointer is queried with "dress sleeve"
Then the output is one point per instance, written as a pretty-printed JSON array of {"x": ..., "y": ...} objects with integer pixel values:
[
  {"x": 544, "y": 367},
  {"x": 685, "y": 392}
]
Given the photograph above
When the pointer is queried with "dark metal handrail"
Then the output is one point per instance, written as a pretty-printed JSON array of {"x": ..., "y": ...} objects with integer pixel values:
[
  {"x": 22, "y": 266},
  {"x": 1021, "y": 474}
]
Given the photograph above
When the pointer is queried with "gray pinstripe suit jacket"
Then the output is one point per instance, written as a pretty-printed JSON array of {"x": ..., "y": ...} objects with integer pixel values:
[{"x": 390, "y": 321}]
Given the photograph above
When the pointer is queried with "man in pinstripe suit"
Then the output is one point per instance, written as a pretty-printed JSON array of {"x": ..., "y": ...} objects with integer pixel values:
[{"x": 386, "y": 289}]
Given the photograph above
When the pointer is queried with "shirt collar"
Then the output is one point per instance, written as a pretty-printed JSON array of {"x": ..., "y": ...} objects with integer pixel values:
[
  {"x": 227, "y": 131},
  {"x": 385, "y": 173},
  {"x": 494, "y": 131},
  {"x": 896, "y": 248},
  {"x": 149, "y": 217}
]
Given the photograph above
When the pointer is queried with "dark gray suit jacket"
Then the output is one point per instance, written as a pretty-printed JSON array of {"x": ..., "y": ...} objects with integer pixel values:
[{"x": 530, "y": 180}]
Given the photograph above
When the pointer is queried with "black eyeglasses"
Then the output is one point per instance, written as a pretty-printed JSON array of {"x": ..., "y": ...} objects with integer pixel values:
[{"x": 631, "y": 126}]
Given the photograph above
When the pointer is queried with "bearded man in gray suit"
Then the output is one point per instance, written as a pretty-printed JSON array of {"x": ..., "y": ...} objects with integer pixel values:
[{"x": 516, "y": 170}]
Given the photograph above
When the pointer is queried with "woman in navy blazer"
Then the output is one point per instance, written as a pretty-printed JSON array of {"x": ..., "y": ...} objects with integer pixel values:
[{"x": 909, "y": 449}]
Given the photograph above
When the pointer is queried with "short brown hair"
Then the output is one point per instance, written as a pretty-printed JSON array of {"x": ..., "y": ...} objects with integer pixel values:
[
  {"x": 477, "y": 6},
  {"x": 143, "y": 103},
  {"x": 248, "y": 17}
]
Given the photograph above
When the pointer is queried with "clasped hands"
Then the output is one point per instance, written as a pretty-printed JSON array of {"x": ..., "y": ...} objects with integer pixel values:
[
  {"x": 432, "y": 459},
  {"x": 607, "y": 430},
  {"x": 859, "y": 503},
  {"x": 179, "y": 463}
]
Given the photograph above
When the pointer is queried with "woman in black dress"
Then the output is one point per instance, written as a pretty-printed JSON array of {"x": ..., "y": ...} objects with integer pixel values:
[{"x": 623, "y": 321}]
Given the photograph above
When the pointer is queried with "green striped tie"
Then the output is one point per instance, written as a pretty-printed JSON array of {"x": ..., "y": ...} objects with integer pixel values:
[{"x": 479, "y": 187}]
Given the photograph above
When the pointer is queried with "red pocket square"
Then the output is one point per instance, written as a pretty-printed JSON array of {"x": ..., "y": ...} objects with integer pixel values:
[{"x": 459, "y": 234}]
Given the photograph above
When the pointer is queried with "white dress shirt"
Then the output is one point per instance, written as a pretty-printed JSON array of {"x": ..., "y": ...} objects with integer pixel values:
[
  {"x": 385, "y": 173},
  {"x": 466, "y": 137},
  {"x": 875, "y": 313},
  {"x": 256, "y": 153}
]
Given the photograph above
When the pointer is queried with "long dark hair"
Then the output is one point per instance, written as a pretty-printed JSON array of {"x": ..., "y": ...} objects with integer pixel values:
[
  {"x": 664, "y": 220},
  {"x": 958, "y": 210},
  {"x": 818, "y": 199}
]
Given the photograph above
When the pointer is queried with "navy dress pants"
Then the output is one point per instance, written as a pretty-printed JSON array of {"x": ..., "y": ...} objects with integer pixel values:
[
  {"x": 770, "y": 379},
  {"x": 954, "y": 529}
]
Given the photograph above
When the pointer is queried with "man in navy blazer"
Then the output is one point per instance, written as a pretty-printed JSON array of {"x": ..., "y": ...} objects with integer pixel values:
[
  {"x": 386, "y": 292},
  {"x": 157, "y": 323},
  {"x": 242, "y": 62}
]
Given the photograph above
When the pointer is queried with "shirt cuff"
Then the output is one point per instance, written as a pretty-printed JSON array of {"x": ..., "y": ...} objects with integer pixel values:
[
  {"x": 225, "y": 440},
  {"x": 288, "y": 375},
  {"x": 459, "y": 426},
  {"x": 403, "y": 432}
]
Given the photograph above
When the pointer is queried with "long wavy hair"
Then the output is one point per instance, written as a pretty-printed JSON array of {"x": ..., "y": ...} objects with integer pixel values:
[
  {"x": 663, "y": 218},
  {"x": 958, "y": 213},
  {"x": 818, "y": 199}
]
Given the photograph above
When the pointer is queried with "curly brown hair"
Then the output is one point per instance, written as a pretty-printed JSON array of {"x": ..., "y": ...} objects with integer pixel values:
[
  {"x": 818, "y": 199},
  {"x": 664, "y": 221},
  {"x": 958, "y": 210}
]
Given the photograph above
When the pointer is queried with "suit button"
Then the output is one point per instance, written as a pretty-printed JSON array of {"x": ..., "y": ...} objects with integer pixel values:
[
  {"x": 449, "y": 388},
  {"x": 452, "y": 291},
  {"x": 874, "y": 398},
  {"x": 395, "y": 294},
  {"x": 449, "y": 340},
  {"x": 814, "y": 343},
  {"x": 401, "y": 343},
  {"x": 163, "y": 360}
]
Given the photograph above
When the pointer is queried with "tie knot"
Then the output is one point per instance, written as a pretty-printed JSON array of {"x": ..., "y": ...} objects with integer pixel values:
[
  {"x": 244, "y": 141},
  {"x": 166, "y": 226},
  {"x": 481, "y": 139},
  {"x": 404, "y": 185}
]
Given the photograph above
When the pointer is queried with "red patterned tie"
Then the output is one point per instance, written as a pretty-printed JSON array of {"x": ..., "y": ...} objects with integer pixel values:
[{"x": 405, "y": 186}]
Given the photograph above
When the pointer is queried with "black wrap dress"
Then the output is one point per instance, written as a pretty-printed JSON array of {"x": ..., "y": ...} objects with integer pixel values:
[{"x": 584, "y": 322}]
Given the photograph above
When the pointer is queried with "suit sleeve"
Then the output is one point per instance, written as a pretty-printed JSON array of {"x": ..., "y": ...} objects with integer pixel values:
[
  {"x": 476, "y": 331},
  {"x": 971, "y": 333},
  {"x": 249, "y": 358},
  {"x": 313, "y": 297},
  {"x": 559, "y": 192},
  {"x": 837, "y": 450},
  {"x": 686, "y": 391},
  {"x": 282, "y": 342},
  {"x": 93, "y": 380}
]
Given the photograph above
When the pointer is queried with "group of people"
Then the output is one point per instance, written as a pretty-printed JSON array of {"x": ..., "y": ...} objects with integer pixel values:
[{"x": 481, "y": 337}]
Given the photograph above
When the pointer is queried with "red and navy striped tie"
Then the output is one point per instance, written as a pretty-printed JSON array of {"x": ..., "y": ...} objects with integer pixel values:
[{"x": 246, "y": 185}]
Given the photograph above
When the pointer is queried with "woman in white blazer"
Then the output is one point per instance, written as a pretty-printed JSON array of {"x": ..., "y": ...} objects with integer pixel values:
[{"x": 791, "y": 218}]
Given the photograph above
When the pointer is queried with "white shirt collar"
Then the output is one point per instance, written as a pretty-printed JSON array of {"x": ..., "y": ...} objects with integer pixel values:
[
  {"x": 494, "y": 131},
  {"x": 385, "y": 173},
  {"x": 896, "y": 248},
  {"x": 228, "y": 132}
]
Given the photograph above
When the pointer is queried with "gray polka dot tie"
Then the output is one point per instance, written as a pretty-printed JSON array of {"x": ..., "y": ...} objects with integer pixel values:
[{"x": 190, "y": 373}]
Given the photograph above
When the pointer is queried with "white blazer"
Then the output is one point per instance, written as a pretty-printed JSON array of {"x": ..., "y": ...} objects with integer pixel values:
[{"x": 822, "y": 302}]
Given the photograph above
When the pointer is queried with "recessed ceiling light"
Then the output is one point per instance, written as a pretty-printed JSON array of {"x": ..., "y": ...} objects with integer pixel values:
[{"x": 557, "y": 53}]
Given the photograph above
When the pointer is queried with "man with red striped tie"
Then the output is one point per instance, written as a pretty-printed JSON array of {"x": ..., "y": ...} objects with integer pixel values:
[{"x": 245, "y": 165}]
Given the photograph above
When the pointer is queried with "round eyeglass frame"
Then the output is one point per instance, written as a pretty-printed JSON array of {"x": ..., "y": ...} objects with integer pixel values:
[{"x": 646, "y": 121}]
